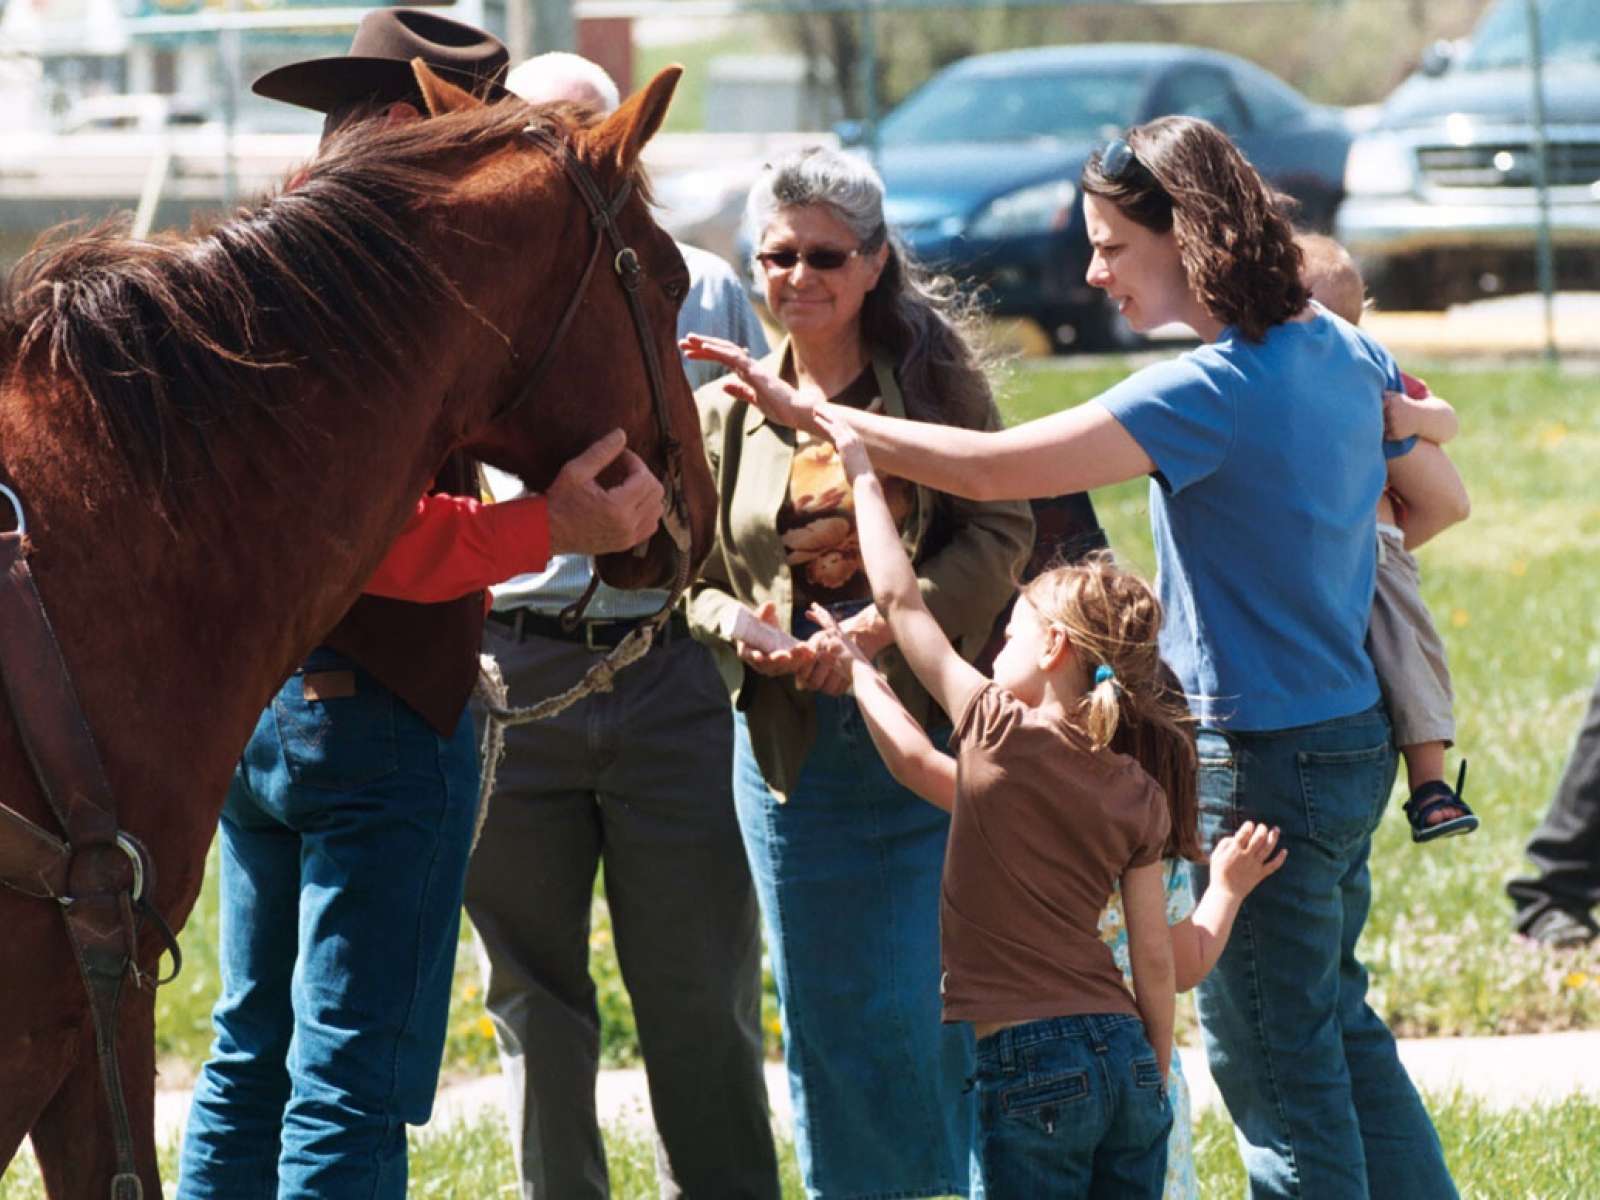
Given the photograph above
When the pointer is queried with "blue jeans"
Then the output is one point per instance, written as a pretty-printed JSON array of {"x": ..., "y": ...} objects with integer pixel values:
[
  {"x": 1309, "y": 1072},
  {"x": 847, "y": 872},
  {"x": 344, "y": 846},
  {"x": 1072, "y": 1106}
]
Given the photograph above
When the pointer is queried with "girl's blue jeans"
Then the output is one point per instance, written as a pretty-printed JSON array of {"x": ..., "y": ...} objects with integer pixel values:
[
  {"x": 1072, "y": 1106},
  {"x": 344, "y": 845},
  {"x": 1310, "y": 1074}
]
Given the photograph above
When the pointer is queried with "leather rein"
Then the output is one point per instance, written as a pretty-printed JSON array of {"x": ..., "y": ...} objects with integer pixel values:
[{"x": 101, "y": 876}]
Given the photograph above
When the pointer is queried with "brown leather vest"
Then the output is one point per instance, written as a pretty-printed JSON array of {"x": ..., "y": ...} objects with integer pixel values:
[{"x": 426, "y": 654}]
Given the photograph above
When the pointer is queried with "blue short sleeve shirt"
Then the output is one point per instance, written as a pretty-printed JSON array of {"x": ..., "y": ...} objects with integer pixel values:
[{"x": 1269, "y": 464}]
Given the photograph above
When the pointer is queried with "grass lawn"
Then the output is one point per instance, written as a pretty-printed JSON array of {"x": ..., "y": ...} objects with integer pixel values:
[{"x": 1550, "y": 1152}]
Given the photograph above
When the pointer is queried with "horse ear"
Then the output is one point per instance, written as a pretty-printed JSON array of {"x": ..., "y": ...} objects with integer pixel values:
[
  {"x": 440, "y": 95},
  {"x": 624, "y": 133}
]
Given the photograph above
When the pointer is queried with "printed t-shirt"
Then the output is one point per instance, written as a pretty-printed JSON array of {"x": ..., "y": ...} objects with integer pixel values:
[
  {"x": 817, "y": 521},
  {"x": 1269, "y": 463},
  {"x": 1044, "y": 827}
]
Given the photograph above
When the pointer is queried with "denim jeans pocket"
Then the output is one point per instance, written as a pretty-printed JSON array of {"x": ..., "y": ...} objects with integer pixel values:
[
  {"x": 1040, "y": 1101},
  {"x": 1344, "y": 792},
  {"x": 341, "y": 742},
  {"x": 1147, "y": 1072}
]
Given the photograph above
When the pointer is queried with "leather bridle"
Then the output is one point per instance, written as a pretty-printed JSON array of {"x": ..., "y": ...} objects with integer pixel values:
[{"x": 625, "y": 263}]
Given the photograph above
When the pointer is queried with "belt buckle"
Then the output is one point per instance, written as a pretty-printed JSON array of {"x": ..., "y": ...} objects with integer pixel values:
[{"x": 588, "y": 636}]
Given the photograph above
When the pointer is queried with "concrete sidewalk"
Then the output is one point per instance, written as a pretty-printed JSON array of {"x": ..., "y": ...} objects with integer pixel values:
[{"x": 1504, "y": 1072}]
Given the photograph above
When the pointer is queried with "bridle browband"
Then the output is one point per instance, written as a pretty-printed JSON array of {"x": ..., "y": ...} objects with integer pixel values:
[{"x": 625, "y": 263}]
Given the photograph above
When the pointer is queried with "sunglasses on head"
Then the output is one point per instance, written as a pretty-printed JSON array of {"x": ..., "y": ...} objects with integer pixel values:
[
  {"x": 822, "y": 259},
  {"x": 1118, "y": 160}
]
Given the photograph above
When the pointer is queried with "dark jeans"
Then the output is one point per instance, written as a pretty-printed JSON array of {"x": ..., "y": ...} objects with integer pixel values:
[
  {"x": 343, "y": 846},
  {"x": 637, "y": 780},
  {"x": 1072, "y": 1106},
  {"x": 1566, "y": 846},
  {"x": 1309, "y": 1072}
]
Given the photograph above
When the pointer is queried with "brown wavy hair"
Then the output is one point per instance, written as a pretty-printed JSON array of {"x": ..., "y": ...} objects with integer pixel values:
[
  {"x": 1233, "y": 232},
  {"x": 1112, "y": 617}
]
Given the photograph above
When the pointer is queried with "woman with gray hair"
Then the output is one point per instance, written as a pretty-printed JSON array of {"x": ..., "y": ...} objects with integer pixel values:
[{"x": 847, "y": 862}]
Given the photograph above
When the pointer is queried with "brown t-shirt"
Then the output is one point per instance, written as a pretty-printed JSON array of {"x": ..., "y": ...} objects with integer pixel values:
[{"x": 1044, "y": 826}]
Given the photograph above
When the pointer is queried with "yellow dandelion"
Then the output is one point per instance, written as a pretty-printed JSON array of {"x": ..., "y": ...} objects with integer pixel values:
[
  {"x": 1575, "y": 979},
  {"x": 483, "y": 1027},
  {"x": 1459, "y": 618},
  {"x": 1552, "y": 436},
  {"x": 470, "y": 992},
  {"x": 1519, "y": 568}
]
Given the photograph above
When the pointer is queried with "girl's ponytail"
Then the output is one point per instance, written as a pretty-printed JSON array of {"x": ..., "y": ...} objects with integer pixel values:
[{"x": 1134, "y": 704}]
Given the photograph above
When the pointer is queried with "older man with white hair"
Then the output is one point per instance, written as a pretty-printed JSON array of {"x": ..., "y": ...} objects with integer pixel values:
[{"x": 639, "y": 781}]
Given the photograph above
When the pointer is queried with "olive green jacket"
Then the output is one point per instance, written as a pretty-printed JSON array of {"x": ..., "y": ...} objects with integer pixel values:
[{"x": 966, "y": 569}]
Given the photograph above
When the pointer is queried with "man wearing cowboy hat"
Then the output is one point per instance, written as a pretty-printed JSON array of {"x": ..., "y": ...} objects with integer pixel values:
[{"x": 345, "y": 835}]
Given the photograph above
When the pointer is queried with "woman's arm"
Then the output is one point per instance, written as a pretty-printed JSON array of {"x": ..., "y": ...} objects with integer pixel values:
[
  {"x": 1072, "y": 451},
  {"x": 1240, "y": 861},
  {"x": 949, "y": 678},
  {"x": 1144, "y": 904},
  {"x": 1431, "y": 489},
  {"x": 907, "y": 751}
]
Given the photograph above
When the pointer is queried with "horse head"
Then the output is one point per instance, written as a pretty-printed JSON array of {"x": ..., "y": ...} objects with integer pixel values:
[{"x": 569, "y": 204}]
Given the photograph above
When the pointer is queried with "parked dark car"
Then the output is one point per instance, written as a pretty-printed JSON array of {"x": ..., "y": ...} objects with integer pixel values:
[
  {"x": 1442, "y": 203},
  {"x": 981, "y": 163}
]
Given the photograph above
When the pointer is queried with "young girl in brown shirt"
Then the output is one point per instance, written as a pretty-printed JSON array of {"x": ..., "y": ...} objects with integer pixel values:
[{"x": 1048, "y": 821}]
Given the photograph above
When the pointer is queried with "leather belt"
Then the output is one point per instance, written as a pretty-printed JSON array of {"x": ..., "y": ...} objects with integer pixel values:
[{"x": 593, "y": 634}]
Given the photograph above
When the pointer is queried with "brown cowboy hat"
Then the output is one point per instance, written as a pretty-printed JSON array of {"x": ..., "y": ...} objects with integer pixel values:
[{"x": 379, "y": 62}]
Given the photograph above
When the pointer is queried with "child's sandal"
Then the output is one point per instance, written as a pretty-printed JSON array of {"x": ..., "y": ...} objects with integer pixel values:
[{"x": 1429, "y": 799}]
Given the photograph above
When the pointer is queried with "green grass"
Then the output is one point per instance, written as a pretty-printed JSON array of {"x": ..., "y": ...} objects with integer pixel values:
[{"x": 1547, "y": 1152}]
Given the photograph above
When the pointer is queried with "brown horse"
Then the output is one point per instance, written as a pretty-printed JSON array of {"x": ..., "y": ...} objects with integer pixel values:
[{"x": 215, "y": 438}]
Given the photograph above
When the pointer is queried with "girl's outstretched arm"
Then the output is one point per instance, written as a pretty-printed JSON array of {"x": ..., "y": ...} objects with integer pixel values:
[
  {"x": 949, "y": 678},
  {"x": 1240, "y": 861},
  {"x": 1144, "y": 905},
  {"x": 907, "y": 751}
]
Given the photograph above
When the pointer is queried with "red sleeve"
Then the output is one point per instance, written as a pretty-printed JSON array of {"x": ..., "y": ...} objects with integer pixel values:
[{"x": 453, "y": 546}]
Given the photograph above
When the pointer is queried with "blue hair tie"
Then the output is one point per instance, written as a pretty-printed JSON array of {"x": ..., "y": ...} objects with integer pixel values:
[{"x": 1104, "y": 674}]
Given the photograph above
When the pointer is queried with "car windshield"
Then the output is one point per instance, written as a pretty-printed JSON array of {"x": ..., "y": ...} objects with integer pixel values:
[
  {"x": 1569, "y": 31},
  {"x": 1059, "y": 105}
]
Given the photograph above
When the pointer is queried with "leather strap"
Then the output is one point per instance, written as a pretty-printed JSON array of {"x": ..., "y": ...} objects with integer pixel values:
[{"x": 96, "y": 894}]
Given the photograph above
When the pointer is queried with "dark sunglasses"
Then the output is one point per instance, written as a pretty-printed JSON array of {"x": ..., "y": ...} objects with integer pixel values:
[
  {"x": 818, "y": 260},
  {"x": 1117, "y": 160}
]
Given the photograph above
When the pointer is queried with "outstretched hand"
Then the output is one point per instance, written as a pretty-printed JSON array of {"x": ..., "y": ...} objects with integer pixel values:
[
  {"x": 754, "y": 383},
  {"x": 586, "y": 518},
  {"x": 852, "y": 450},
  {"x": 826, "y": 621},
  {"x": 1240, "y": 861}
]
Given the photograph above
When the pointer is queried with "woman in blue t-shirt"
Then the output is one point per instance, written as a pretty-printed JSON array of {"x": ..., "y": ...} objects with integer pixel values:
[{"x": 1266, "y": 454}]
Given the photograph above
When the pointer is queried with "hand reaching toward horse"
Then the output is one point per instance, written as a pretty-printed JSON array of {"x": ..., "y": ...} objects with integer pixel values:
[
  {"x": 586, "y": 518},
  {"x": 777, "y": 401}
]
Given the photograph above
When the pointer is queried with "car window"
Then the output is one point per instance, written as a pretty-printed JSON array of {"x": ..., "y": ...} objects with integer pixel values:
[
  {"x": 1569, "y": 31},
  {"x": 1269, "y": 101},
  {"x": 1203, "y": 92},
  {"x": 1065, "y": 105}
]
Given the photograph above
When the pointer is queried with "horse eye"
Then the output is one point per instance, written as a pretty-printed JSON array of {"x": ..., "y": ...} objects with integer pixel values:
[{"x": 676, "y": 289}]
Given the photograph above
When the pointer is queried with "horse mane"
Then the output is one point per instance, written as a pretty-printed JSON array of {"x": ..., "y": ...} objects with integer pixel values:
[{"x": 182, "y": 335}]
